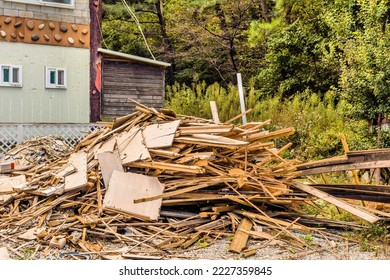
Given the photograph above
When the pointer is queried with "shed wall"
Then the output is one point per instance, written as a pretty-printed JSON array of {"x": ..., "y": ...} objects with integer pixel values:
[{"x": 124, "y": 80}]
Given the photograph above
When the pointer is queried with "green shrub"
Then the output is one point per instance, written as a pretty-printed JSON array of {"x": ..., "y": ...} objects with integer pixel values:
[{"x": 317, "y": 120}]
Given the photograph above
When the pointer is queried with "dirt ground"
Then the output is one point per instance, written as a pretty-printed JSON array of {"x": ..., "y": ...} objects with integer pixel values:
[{"x": 317, "y": 248}]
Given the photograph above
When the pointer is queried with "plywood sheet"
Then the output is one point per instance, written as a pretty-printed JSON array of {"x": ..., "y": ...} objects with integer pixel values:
[
  {"x": 131, "y": 146},
  {"x": 126, "y": 187},
  {"x": 107, "y": 146},
  {"x": 108, "y": 162},
  {"x": 79, "y": 178},
  {"x": 160, "y": 135}
]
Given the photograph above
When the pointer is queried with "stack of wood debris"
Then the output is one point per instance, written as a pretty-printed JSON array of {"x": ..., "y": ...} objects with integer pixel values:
[
  {"x": 154, "y": 182},
  {"x": 38, "y": 150}
]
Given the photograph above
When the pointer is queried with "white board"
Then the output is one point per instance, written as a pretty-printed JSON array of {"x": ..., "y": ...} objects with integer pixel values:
[{"x": 126, "y": 187}]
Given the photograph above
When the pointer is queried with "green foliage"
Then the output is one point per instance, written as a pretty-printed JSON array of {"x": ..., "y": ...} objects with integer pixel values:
[
  {"x": 372, "y": 237},
  {"x": 365, "y": 64},
  {"x": 308, "y": 239},
  {"x": 317, "y": 121}
]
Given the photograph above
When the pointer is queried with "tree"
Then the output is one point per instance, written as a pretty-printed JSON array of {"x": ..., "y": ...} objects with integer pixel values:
[
  {"x": 365, "y": 76},
  {"x": 297, "y": 50}
]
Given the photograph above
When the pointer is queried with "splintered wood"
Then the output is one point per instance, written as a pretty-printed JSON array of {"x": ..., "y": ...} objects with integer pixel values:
[{"x": 154, "y": 182}]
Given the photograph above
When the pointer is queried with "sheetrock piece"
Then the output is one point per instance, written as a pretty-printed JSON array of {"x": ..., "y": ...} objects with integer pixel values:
[
  {"x": 126, "y": 187},
  {"x": 7, "y": 184},
  {"x": 4, "y": 255},
  {"x": 124, "y": 137},
  {"x": 79, "y": 178},
  {"x": 108, "y": 162},
  {"x": 107, "y": 146},
  {"x": 160, "y": 135},
  {"x": 132, "y": 148}
]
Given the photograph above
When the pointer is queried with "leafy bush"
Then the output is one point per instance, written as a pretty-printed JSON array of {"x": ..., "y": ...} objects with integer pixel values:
[{"x": 318, "y": 121}]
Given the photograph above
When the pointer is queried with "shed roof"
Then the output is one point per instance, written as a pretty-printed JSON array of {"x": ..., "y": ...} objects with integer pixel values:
[{"x": 133, "y": 58}]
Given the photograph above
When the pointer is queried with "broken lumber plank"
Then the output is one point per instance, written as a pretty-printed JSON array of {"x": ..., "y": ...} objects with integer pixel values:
[
  {"x": 160, "y": 135},
  {"x": 108, "y": 162},
  {"x": 168, "y": 166},
  {"x": 183, "y": 190},
  {"x": 339, "y": 203},
  {"x": 7, "y": 166},
  {"x": 240, "y": 236},
  {"x": 126, "y": 187},
  {"x": 238, "y": 116},
  {"x": 211, "y": 140},
  {"x": 346, "y": 166},
  {"x": 266, "y": 135},
  {"x": 205, "y": 129}
]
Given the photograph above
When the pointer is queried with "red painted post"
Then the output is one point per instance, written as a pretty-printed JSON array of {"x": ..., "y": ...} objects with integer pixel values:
[{"x": 95, "y": 7}]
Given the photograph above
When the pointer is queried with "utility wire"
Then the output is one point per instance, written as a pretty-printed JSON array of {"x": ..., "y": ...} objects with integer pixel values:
[{"x": 139, "y": 26}]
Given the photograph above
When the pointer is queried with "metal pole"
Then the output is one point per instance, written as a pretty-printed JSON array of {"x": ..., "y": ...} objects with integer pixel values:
[{"x": 242, "y": 101}]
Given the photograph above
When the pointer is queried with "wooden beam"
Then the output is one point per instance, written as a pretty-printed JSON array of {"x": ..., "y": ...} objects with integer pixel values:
[
  {"x": 346, "y": 166},
  {"x": 241, "y": 236},
  {"x": 339, "y": 203}
]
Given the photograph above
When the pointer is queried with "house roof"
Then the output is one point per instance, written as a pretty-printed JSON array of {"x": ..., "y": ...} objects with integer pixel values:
[{"x": 133, "y": 58}]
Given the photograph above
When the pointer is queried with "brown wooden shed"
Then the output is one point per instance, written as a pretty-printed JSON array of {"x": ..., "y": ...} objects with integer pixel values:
[{"x": 126, "y": 77}]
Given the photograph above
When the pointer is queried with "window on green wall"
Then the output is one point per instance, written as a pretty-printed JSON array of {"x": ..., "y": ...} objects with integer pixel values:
[
  {"x": 56, "y": 77},
  {"x": 10, "y": 75}
]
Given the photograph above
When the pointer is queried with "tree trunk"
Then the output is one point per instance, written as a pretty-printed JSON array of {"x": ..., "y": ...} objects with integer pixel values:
[
  {"x": 168, "y": 48},
  {"x": 264, "y": 10},
  {"x": 227, "y": 36}
]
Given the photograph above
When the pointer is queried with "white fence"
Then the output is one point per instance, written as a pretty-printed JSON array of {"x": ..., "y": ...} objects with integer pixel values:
[{"x": 12, "y": 134}]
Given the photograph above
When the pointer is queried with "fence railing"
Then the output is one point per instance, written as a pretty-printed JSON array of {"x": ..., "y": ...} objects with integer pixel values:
[{"x": 12, "y": 134}]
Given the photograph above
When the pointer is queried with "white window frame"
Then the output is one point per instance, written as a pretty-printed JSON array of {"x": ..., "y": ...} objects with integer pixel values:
[
  {"x": 44, "y": 3},
  {"x": 49, "y": 84},
  {"x": 11, "y": 68}
]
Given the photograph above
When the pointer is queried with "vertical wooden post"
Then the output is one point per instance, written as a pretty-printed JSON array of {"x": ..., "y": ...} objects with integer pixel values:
[
  {"x": 378, "y": 170},
  {"x": 214, "y": 112},
  {"x": 95, "y": 8},
  {"x": 241, "y": 93},
  {"x": 346, "y": 150}
]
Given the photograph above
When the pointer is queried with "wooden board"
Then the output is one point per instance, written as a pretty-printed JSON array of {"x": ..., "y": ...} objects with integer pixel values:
[
  {"x": 79, "y": 178},
  {"x": 108, "y": 162},
  {"x": 339, "y": 203},
  {"x": 126, "y": 187},
  {"x": 160, "y": 135},
  {"x": 8, "y": 183},
  {"x": 210, "y": 140}
]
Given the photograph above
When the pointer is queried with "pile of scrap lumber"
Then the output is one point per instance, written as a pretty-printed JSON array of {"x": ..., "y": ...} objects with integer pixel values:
[
  {"x": 38, "y": 150},
  {"x": 154, "y": 182}
]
